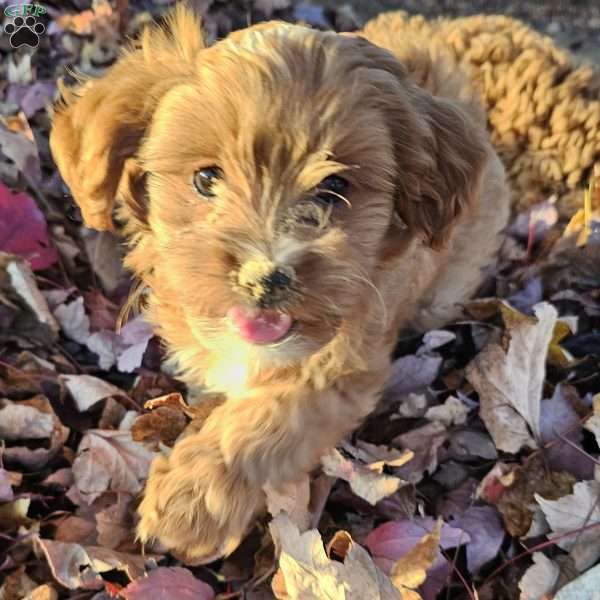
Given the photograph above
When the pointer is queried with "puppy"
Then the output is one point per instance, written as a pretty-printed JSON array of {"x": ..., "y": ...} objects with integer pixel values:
[{"x": 291, "y": 199}]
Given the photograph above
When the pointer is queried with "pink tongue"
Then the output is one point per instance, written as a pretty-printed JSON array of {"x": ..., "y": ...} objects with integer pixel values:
[{"x": 260, "y": 326}]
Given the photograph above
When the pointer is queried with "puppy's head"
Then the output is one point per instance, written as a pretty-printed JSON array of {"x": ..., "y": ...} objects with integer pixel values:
[{"x": 261, "y": 181}]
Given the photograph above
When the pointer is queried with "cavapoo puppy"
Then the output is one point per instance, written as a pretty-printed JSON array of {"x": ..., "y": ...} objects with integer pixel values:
[{"x": 291, "y": 199}]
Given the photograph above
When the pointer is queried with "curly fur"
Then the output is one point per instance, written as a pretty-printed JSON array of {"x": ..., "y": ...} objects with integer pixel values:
[
  {"x": 279, "y": 108},
  {"x": 543, "y": 108}
]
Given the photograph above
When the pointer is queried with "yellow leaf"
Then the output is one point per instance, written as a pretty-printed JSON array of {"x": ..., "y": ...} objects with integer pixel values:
[
  {"x": 410, "y": 571},
  {"x": 558, "y": 356}
]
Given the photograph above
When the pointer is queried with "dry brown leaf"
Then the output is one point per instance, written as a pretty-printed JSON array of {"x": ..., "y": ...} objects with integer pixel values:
[
  {"x": 509, "y": 378},
  {"x": 364, "y": 482},
  {"x": 164, "y": 424},
  {"x": 513, "y": 490},
  {"x": 307, "y": 573}
]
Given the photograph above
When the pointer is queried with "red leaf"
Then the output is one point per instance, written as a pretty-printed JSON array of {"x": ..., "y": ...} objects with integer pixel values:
[
  {"x": 23, "y": 229},
  {"x": 164, "y": 583}
]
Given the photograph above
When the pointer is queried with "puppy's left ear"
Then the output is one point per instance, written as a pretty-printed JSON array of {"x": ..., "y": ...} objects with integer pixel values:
[
  {"x": 440, "y": 143},
  {"x": 97, "y": 127},
  {"x": 439, "y": 173}
]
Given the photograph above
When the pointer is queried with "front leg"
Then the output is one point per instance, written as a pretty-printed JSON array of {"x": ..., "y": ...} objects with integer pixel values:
[{"x": 201, "y": 499}]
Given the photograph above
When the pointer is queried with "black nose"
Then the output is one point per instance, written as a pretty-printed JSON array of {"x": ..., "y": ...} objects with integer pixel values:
[{"x": 274, "y": 282}]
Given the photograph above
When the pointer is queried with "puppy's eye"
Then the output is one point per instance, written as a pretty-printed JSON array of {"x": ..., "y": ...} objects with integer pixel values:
[
  {"x": 332, "y": 189},
  {"x": 205, "y": 179}
]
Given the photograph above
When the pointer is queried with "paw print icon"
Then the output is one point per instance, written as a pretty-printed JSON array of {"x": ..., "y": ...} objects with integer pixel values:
[{"x": 24, "y": 32}]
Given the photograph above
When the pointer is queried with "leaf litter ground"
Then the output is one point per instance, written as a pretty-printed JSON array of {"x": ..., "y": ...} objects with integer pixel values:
[{"x": 476, "y": 477}]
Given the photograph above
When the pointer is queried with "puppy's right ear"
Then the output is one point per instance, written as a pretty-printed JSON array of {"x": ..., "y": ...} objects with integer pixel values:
[{"x": 98, "y": 126}]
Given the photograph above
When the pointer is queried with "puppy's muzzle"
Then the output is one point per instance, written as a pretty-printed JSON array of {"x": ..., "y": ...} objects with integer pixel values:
[{"x": 264, "y": 283}]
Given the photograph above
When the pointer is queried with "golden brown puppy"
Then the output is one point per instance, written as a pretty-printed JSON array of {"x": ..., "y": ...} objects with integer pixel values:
[{"x": 291, "y": 199}]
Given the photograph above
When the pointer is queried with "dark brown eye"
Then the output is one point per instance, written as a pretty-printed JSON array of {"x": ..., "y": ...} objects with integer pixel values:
[
  {"x": 332, "y": 189},
  {"x": 205, "y": 179}
]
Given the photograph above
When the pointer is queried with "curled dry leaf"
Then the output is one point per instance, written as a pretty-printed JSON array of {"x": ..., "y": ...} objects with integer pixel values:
[
  {"x": 76, "y": 566},
  {"x": 307, "y": 573},
  {"x": 163, "y": 425},
  {"x": 509, "y": 378},
  {"x": 364, "y": 482}
]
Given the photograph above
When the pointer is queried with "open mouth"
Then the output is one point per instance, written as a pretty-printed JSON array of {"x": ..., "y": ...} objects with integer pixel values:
[{"x": 260, "y": 326}]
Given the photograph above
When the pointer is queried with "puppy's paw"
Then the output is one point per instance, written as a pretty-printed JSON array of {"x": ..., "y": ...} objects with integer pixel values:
[{"x": 194, "y": 504}]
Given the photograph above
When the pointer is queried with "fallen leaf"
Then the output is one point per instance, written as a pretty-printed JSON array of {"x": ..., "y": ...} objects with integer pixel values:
[
  {"x": 364, "y": 482},
  {"x": 390, "y": 541},
  {"x": 509, "y": 381},
  {"x": 466, "y": 444},
  {"x": 74, "y": 323},
  {"x": 105, "y": 253},
  {"x": 6, "y": 491},
  {"x": 539, "y": 580},
  {"x": 20, "y": 420},
  {"x": 410, "y": 570},
  {"x": 168, "y": 583},
  {"x": 484, "y": 527},
  {"x": 14, "y": 514},
  {"x": 22, "y": 281},
  {"x": 109, "y": 460},
  {"x": 42, "y": 592},
  {"x": 23, "y": 230},
  {"x": 163, "y": 425},
  {"x": 513, "y": 488},
  {"x": 40, "y": 420},
  {"x": 452, "y": 412},
  {"x": 377, "y": 457},
  {"x": 562, "y": 434},
  {"x": 424, "y": 442},
  {"x": 102, "y": 311},
  {"x": 76, "y": 566},
  {"x": 412, "y": 374},
  {"x": 572, "y": 512},
  {"x": 114, "y": 523},
  {"x": 292, "y": 499},
  {"x": 18, "y": 144},
  {"x": 306, "y": 572},
  {"x": 585, "y": 587},
  {"x": 87, "y": 390}
]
